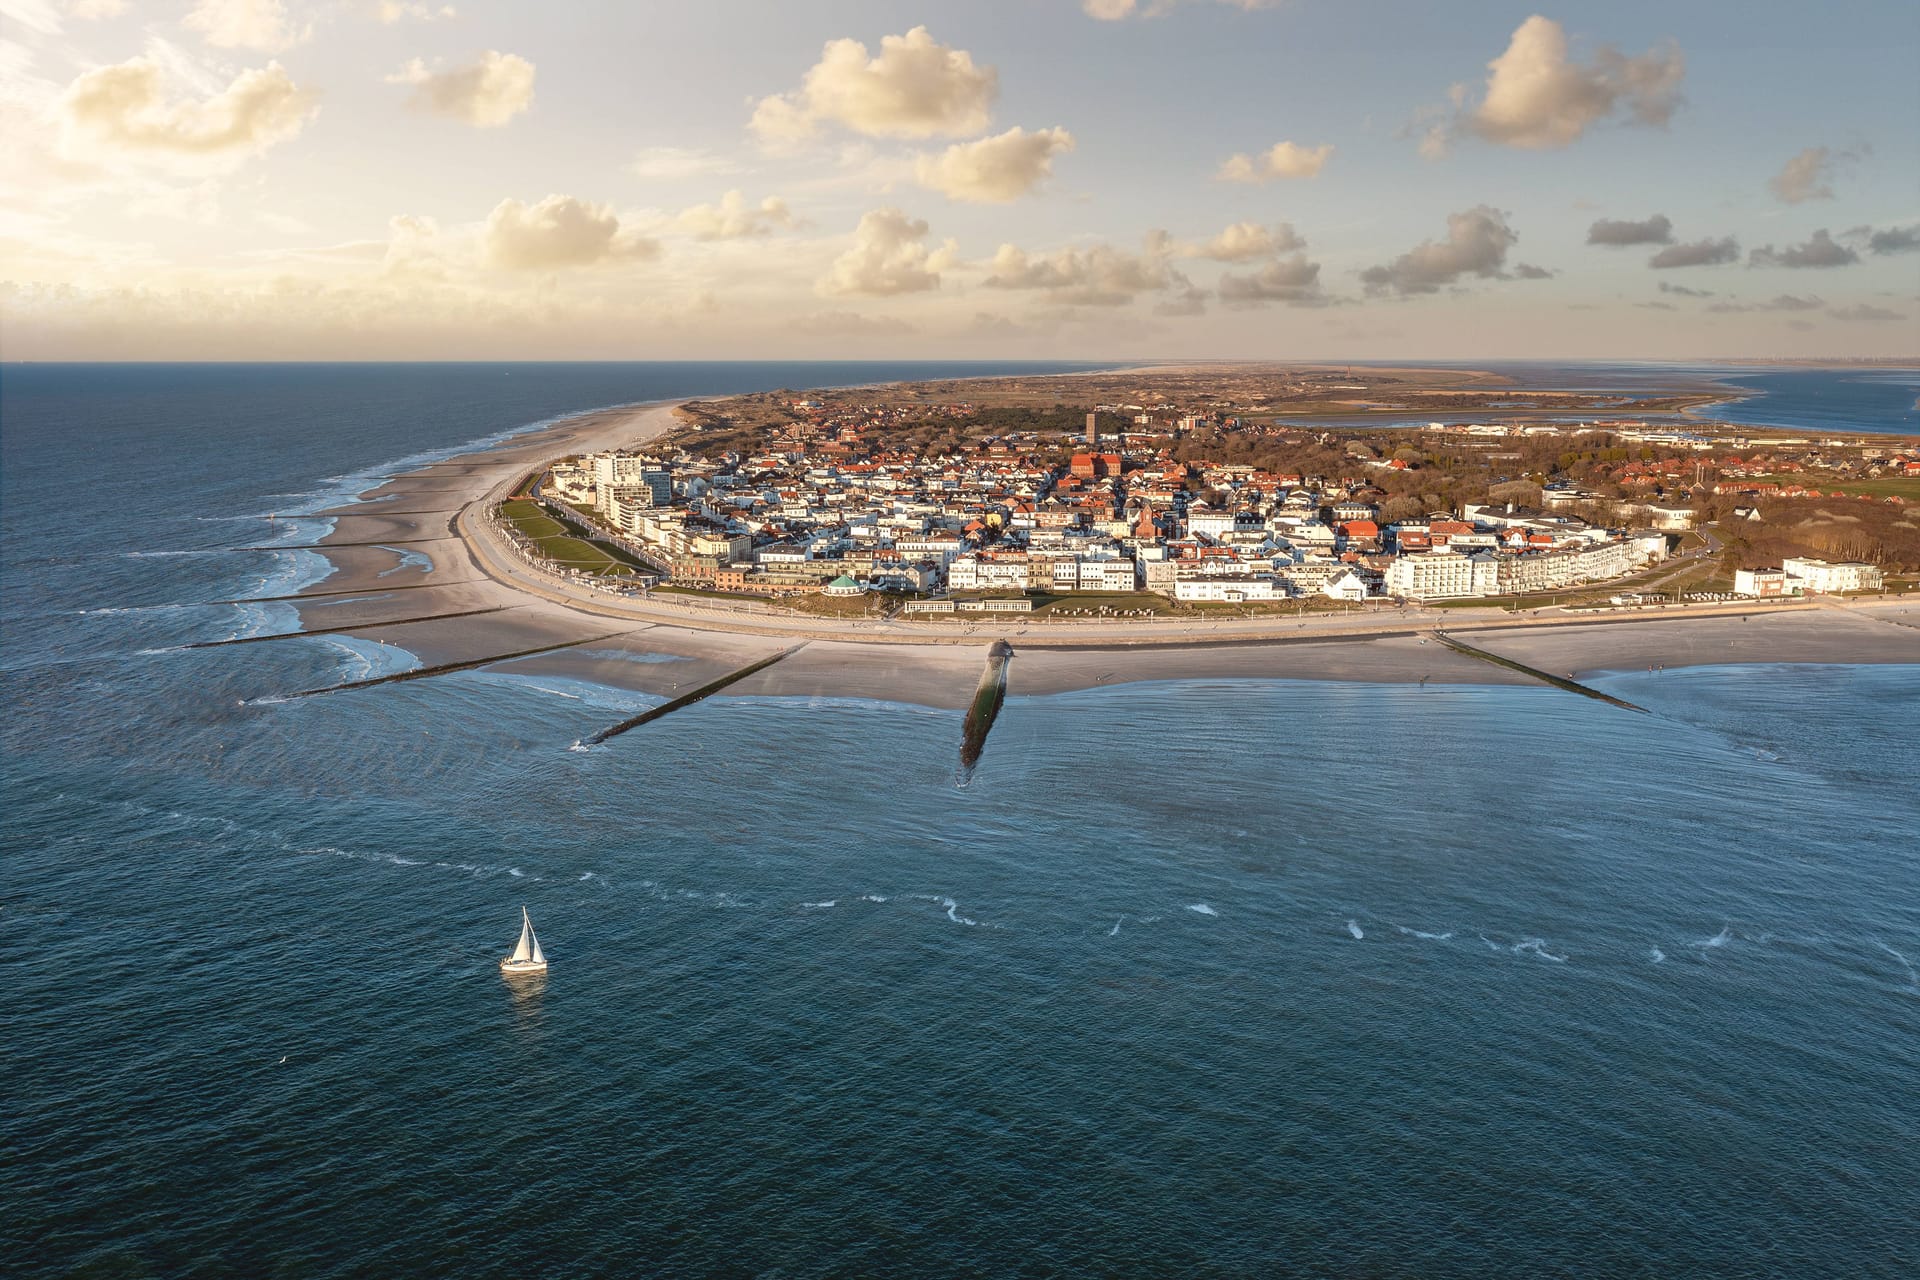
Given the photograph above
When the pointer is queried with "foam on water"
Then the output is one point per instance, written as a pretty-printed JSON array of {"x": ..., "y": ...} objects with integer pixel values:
[
  {"x": 1355, "y": 931},
  {"x": 1201, "y": 908},
  {"x": 1719, "y": 939}
]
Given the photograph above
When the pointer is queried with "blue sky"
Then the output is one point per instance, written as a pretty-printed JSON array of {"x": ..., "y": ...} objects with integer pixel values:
[{"x": 266, "y": 178}]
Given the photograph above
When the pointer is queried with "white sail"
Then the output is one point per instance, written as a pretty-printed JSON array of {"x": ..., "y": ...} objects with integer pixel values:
[
  {"x": 539, "y": 956},
  {"x": 526, "y": 946}
]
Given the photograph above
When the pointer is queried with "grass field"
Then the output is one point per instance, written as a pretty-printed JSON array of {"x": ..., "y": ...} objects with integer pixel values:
[
  {"x": 1907, "y": 487},
  {"x": 556, "y": 544}
]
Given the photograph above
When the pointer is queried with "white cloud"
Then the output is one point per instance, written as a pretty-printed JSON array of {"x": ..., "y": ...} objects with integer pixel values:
[
  {"x": 1537, "y": 97},
  {"x": 125, "y": 108},
  {"x": 889, "y": 256},
  {"x": 1805, "y": 177},
  {"x": 1476, "y": 244},
  {"x": 994, "y": 170},
  {"x": 914, "y": 88},
  {"x": 1100, "y": 276},
  {"x": 486, "y": 94},
  {"x": 260, "y": 25},
  {"x": 559, "y": 231},
  {"x": 733, "y": 219},
  {"x": 1292, "y": 280},
  {"x": 1245, "y": 241},
  {"x": 671, "y": 163},
  {"x": 1282, "y": 160}
]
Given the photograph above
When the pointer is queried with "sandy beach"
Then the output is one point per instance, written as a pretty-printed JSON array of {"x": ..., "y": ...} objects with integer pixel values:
[{"x": 418, "y": 565}]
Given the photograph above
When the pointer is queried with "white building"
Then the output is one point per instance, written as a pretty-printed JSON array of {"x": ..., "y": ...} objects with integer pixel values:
[
  {"x": 1346, "y": 585},
  {"x": 1824, "y": 575},
  {"x": 1443, "y": 575},
  {"x": 1765, "y": 584},
  {"x": 971, "y": 573},
  {"x": 1230, "y": 590}
]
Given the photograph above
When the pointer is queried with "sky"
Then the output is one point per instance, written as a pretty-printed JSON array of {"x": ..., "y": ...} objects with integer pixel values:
[{"x": 969, "y": 179}]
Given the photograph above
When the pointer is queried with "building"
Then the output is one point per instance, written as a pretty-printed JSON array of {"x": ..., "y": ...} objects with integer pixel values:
[
  {"x": 1824, "y": 575},
  {"x": 1225, "y": 589},
  {"x": 1443, "y": 575},
  {"x": 1765, "y": 584}
]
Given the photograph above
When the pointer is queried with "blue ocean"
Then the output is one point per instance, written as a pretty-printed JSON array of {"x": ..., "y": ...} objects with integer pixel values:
[{"x": 1214, "y": 978}]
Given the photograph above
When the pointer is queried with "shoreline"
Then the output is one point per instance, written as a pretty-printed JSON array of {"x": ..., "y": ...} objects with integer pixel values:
[{"x": 416, "y": 549}]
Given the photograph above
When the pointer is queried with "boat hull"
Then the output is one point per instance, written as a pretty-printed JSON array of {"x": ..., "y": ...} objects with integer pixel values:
[{"x": 523, "y": 966}]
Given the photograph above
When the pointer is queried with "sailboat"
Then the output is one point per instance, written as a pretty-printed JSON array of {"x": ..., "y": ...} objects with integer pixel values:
[{"x": 527, "y": 956}]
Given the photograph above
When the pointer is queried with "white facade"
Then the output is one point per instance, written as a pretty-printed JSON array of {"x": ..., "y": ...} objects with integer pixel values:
[
  {"x": 1824, "y": 575},
  {"x": 1235, "y": 590},
  {"x": 971, "y": 573},
  {"x": 1443, "y": 575}
]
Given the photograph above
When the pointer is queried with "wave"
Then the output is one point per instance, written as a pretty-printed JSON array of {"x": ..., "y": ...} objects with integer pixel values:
[
  {"x": 821, "y": 906},
  {"x": 1201, "y": 909},
  {"x": 953, "y": 910},
  {"x": 1355, "y": 930},
  {"x": 1115, "y": 931},
  {"x": 1719, "y": 939},
  {"x": 1535, "y": 947},
  {"x": 409, "y": 559},
  {"x": 1913, "y": 978},
  {"x": 1656, "y": 955},
  {"x": 1430, "y": 937}
]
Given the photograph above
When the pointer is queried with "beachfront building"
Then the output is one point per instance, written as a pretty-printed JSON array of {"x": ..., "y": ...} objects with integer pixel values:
[
  {"x": 1243, "y": 588},
  {"x": 1765, "y": 584},
  {"x": 1443, "y": 575},
  {"x": 1824, "y": 575}
]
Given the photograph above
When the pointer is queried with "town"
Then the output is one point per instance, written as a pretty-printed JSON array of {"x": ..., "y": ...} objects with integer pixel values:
[{"x": 955, "y": 507}]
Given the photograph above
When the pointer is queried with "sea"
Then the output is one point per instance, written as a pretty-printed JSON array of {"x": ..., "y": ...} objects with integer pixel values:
[{"x": 1192, "y": 978}]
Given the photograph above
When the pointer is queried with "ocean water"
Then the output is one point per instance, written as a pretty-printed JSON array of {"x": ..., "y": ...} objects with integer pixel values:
[
  {"x": 1220, "y": 978},
  {"x": 1867, "y": 398}
]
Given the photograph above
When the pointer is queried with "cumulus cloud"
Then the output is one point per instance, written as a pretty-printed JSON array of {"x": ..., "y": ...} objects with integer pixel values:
[
  {"x": 1282, "y": 160},
  {"x": 1819, "y": 251},
  {"x": 261, "y": 25},
  {"x": 734, "y": 219},
  {"x": 889, "y": 256},
  {"x": 1805, "y": 177},
  {"x": 1476, "y": 245},
  {"x": 1538, "y": 97},
  {"x": 1886, "y": 240},
  {"x": 1865, "y": 313},
  {"x": 1245, "y": 241},
  {"x": 994, "y": 170},
  {"x": 1613, "y": 231},
  {"x": 1291, "y": 280},
  {"x": 486, "y": 94},
  {"x": 559, "y": 231},
  {"x": 914, "y": 88},
  {"x": 1697, "y": 253},
  {"x": 125, "y": 108},
  {"x": 1100, "y": 276}
]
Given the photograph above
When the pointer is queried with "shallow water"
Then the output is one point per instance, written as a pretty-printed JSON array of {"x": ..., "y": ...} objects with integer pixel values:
[{"x": 1227, "y": 977}]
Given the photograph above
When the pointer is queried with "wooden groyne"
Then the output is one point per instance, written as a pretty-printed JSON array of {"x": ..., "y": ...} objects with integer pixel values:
[
  {"x": 688, "y": 699},
  {"x": 987, "y": 701},
  {"x": 1558, "y": 682},
  {"x": 352, "y": 626},
  {"x": 448, "y": 668}
]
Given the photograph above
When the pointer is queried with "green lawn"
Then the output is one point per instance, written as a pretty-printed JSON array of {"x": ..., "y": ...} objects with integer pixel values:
[
  {"x": 557, "y": 545},
  {"x": 1907, "y": 487}
]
